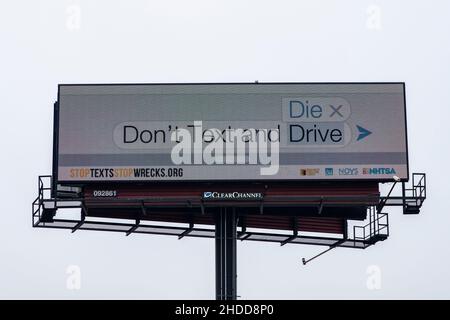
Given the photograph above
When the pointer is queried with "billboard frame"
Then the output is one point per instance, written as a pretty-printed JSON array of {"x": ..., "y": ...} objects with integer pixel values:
[{"x": 56, "y": 128}]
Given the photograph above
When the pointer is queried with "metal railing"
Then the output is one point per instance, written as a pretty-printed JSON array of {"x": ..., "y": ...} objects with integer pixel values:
[
  {"x": 44, "y": 186},
  {"x": 418, "y": 190},
  {"x": 376, "y": 229},
  {"x": 412, "y": 196}
]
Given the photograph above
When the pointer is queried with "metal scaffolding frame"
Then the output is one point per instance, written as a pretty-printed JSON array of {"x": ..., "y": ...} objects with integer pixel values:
[{"x": 226, "y": 230}]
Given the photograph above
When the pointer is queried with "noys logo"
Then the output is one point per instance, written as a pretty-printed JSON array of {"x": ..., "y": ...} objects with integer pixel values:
[{"x": 235, "y": 195}]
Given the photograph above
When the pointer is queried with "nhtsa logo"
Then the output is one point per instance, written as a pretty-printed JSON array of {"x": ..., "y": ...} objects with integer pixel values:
[
  {"x": 214, "y": 195},
  {"x": 377, "y": 171}
]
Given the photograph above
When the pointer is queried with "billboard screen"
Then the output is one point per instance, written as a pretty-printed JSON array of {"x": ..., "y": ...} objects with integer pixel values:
[{"x": 241, "y": 131}]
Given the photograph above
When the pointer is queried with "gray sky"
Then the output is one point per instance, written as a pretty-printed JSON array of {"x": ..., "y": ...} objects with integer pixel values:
[{"x": 44, "y": 43}]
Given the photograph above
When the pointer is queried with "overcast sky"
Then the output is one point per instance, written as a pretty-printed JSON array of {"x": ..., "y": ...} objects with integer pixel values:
[{"x": 44, "y": 43}]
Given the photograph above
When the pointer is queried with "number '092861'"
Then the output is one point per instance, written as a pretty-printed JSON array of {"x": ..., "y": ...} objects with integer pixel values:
[{"x": 104, "y": 193}]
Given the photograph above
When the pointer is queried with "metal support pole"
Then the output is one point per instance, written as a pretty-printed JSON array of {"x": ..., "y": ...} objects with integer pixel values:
[
  {"x": 226, "y": 238},
  {"x": 345, "y": 227},
  {"x": 404, "y": 197}
]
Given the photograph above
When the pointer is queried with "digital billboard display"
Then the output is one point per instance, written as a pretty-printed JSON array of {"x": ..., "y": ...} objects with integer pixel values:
[{"x": 236, "y": 131}]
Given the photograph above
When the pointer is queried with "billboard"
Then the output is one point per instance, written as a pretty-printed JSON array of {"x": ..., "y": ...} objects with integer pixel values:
[{"x": 230, "y": 131}]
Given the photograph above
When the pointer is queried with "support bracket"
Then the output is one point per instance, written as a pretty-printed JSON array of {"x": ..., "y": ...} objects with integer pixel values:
[
  {"x": 84, "y": 210},
  {"x": 187, "y": 231},
  {"x": 337, "y": 243},
  {"x": 320, "y": 208}
]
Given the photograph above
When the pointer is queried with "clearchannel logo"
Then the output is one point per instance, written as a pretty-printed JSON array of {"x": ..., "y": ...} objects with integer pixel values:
[
  {"x": 235, "y": 195},
  {"x": 379, "y": 171}
]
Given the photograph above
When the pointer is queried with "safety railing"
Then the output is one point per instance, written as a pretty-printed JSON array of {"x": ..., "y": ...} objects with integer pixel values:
[
  {"x": 376, "y": 229},
  {"x": 418, "y": 190},
  {"x": 44, "y": 192}
]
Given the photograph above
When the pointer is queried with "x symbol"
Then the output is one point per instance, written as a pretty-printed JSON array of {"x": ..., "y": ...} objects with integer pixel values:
[{"x": 336, "y": 110}]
